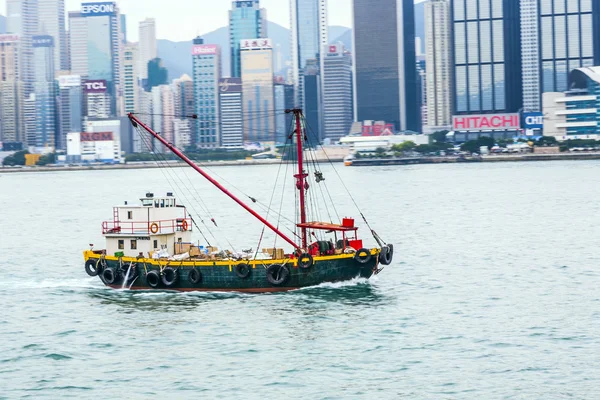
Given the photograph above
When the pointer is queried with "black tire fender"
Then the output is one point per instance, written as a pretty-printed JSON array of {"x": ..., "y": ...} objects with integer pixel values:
[
  {"x": 93, "y": 267},
  {"x": 169, "y": 276},
  {"x": 195, "y": 276},
  {"x": 278, "y": 274},
  {"x": 243, "y": 270},
  {"x": 153, "y": 279},
  {"x": 109, "y": 275},
  {"x": 305, "y": 261},
  {"x": 363, "y": 256}
]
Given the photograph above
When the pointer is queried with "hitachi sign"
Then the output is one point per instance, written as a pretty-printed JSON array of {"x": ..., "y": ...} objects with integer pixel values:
[
  {"x": 97, "y": 9},
  {"x": 486, "y": 122}
]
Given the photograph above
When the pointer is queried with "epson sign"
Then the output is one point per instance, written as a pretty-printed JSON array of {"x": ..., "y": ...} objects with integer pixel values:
[{"x": 97, "y": 9}]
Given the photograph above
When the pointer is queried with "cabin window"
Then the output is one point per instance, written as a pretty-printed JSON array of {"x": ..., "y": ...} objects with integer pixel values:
[
  {"x": 121, "y": 244},
  {"x": 156, "y": 203},
  {"x": 162, "y": 203},
  {"x": 133, "y": 244},
  {"x": 129, "y": 214},
  {"x": 155, "y": 243},
  {"x": 179, "y": 239}
]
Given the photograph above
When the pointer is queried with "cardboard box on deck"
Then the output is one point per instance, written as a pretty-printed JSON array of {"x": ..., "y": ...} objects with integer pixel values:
[
  {"x": 194, "y": 251},
  {"x": 181, "y": 248},
  {"x": 275, "y": 253}
]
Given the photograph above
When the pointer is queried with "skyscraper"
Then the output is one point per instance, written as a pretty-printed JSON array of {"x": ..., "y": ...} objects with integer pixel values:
[
  {"x": 438, "y": 71},
  {"x": 257, "y": 90},
  {"x": 309, "y": 35},
  {"x": 12, "y": 129},
  {"x": 246, "y": 20},
  {"x": 385, "y": 70},
  {"x": 558, "y": 36},
  {"x": 131, "y": 74},
  {"x": 22, "y": 20},
  {"x": 337, "y": 91},
  {"x": 207, "y": 72},
  {"x": 51, "y": 21},
  {"x": 148, "y": 46},
  {"x": 486, "y": 41},
  {"x": 70, "y": 100},
  {"x": 96, "y": 46},
  {"x": 45, "y": 92},
  {"x": 2, "y": 24},
  {"x": 230, "y": 98}
]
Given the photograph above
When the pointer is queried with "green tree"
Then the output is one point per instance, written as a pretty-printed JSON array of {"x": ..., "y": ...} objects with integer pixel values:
[
  {"x": 404, "y": 146},
  {"x": 16, "y": 159},
  {"x": 438, "y": 137},
  {"x": 46, "y": 159}
]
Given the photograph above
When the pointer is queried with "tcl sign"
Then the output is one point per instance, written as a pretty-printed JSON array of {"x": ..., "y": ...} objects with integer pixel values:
[
  {"x": 204, "y": 49},
  {"x": 485, "y": 122},
  {"x": 98, "y": 86}
]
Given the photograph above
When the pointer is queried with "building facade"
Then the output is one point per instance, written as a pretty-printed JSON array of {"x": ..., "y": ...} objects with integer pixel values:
[
  {"x": 45, "y": 92},
  {"x": 558, "y": 36},
  {"x": 385, "y": 73},
  {"x": 148, "y": 49},
  {"x": 207, "y": 72},
  {"x": 486, "y": 59},
  {"x": 246, "y": 20},
  {"x": 131, "y": 73},
  {"x": 438, "y": 72},
  {"x": 257, "y": 90},
  {"x": 22, "y": 20},
  {"x": 51, "y": 22},
  {"x": 12, "y": 129},
  {"x": 230, "y": 106},
  {"x": 337, "y": 91},
  {"x": 70, "y": 112}
]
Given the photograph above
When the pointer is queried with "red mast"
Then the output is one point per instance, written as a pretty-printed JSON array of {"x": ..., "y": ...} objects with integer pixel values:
[
  {"x": 179, "y": 154},
  {"x": 301, "y": 183}
]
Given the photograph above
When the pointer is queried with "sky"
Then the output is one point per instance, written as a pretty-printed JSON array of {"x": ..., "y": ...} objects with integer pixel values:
[{"x": 180, "y": 20}]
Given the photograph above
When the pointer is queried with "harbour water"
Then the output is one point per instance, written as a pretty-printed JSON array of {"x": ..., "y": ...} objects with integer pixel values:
[{"x": 493, "y": 293}]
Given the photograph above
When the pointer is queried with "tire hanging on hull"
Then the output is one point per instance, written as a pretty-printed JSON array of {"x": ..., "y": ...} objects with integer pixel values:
[{"x": 278, "y": 274}]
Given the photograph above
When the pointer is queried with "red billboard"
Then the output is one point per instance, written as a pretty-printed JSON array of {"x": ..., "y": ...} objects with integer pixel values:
[
  {"x": 96, "y": 136},
  {"x": 94, "y": 86},
  {"x": 483, "y": 122},
  {"x": 204, "y": 49}
]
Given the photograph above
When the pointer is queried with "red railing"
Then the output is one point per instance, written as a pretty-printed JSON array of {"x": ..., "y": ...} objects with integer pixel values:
[{"x": 147, "y": 227}]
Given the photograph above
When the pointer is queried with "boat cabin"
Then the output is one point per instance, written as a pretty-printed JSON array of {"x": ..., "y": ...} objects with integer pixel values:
[{"x": 155, "y": 224}]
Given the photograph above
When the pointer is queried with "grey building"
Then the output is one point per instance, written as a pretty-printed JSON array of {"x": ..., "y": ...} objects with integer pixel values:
[
  {"x": 45, "y": 92},
  {"x": 70, "y": 107},
  {"x": 486, "y": 63},
  {"x": 337, "y": 91},
  {"x": 230, "y": 105},
  {"x": 385, "y": 72}
]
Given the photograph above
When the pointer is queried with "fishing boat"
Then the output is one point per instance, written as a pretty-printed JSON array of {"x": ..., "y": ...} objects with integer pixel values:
[{"x": 150, "y": 245}]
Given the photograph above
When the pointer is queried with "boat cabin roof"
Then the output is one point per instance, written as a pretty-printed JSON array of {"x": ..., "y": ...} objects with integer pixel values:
[
  {"x": 328, "y": 226},
  {"x": 159, "y": 202}
]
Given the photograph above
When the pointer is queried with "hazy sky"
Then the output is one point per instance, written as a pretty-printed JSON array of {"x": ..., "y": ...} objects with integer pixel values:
[{"x": 184, "y": 19}]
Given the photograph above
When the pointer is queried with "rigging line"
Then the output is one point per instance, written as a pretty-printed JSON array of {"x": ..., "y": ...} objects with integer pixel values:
[
  {"x": 288, "y": 140},
  {"x": 148, "y": 142},
  {"x": 339, "y": 177}
]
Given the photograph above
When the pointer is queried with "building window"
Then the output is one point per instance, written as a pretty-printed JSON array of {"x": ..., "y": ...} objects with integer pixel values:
[
  {"x": 121, "y": 244},
  {"x": 129, "y": 214},
  {"x": 155, "y": 243},
  {"x": 133, "y": 244}
]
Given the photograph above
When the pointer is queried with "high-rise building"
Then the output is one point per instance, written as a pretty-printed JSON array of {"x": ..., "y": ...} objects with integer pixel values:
[
  {"x": 148, "y": 46},
  {"x": 12, "y": 129},
  {"x": 313, "y": 96},
  {"x": 385, "y": 73},
  {"x": 486, "y": 43},
  {"x": 22, "y": 20},
  {"x": 70, "y": 112},
  {"x": 184, "y": 96},
  {"x": 29, "y": 120},
  {"x": 45, "y": 92},
  {"x": 157, "y": 74},
  {"x": 309, "y": 34},
  {"x": 182, "y": 133},
  {"x": 207, "y": 72},
  {"x": 130, "y": 77},
  {"x": 96, "y": 47},
  {"x": 246, "y": 20},
  {"x": 97, "y": 99},
  {"x": 123, "y": 24},
  {"x": 257, "y": 90},
  {"x": 230, "y": 102},
  {"x": 557, "y": 37},
  {"x": 51, "y": 21},
  {"x": 163, "y": 111},
  {"x": 2, "y": 24},
  {"x": 437, "y": 54},
  {"x": 337, "y": 91}
]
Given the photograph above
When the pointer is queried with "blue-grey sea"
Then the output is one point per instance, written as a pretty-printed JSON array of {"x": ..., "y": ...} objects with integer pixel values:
[{"x": 494, "y": 291}]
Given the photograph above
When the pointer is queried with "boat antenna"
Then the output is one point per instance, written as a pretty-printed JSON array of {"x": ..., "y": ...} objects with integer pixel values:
[{"x": 136, "y": 122}]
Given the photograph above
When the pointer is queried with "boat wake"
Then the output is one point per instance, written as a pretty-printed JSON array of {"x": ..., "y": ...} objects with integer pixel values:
[{"x": 339, "y": 285}]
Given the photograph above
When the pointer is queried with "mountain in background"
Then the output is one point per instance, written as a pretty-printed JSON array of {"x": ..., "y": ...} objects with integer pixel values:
[
  {"x": 2, "y": 24},
  {"x": 177, "y": 57}
]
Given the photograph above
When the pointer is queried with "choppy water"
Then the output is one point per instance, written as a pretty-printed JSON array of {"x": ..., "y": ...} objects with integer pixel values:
[{"x": 493, "y": 294}]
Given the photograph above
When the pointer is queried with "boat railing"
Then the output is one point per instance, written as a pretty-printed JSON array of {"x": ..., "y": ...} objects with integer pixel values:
[{"x": 156, "y": 227}]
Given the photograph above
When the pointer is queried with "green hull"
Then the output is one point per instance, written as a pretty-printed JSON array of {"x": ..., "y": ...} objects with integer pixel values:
[{"x": 223, "y": 277}]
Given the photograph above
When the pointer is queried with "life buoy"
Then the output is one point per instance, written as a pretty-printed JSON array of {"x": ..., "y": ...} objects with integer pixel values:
[
  {"x": 243, "y": 270},
  {"x": 194, "y": 276},
  {"x": 386, "y": 254},
  {"x": 184, "y": 225},
  {"x": 153, "y": 279},
  {"x": 278, "y": 274},
  {"x": 154, "y": 227},
  {"x": 169, "y": 276},
  {"x": 109, "y": 276},
  {"x": 363, "y": 256},
  {"x": 305, "y": 261},
  {"x": 93, "y": 267}
]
